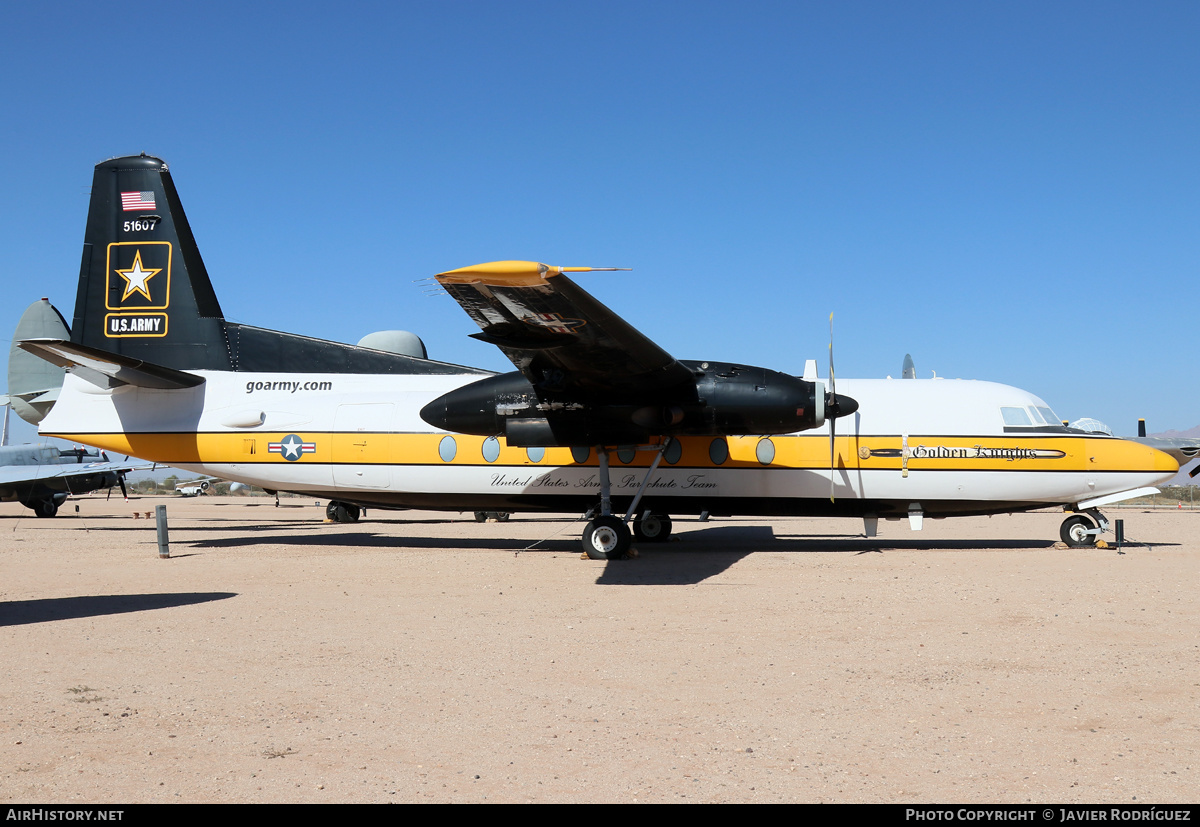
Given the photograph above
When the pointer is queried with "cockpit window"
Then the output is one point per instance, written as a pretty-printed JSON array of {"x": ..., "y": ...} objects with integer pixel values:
[
  {"x": 1038, "y": 419},
  {"x": 1049, "y": 416},
  {"x": 1016, "y": 417}
]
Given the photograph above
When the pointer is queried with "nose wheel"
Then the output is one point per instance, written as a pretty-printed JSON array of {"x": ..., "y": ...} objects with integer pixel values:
[{"x": 1078, "y": 531}]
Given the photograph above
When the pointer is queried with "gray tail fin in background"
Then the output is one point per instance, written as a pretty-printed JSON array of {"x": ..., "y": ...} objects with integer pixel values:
[{"x": 33, "y": 383}]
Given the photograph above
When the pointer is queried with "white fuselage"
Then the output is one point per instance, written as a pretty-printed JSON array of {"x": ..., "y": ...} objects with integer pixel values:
[{"x": 938, "y": 445}]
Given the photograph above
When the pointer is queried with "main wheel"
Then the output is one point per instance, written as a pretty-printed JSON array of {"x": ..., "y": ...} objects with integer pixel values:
[
  {"x": 341, "y": 512},
  {"x": 606, "y": 538},
  {"x": 1074, "y": 532},
  {"x": 652, "y": 528},
  {"x": 45, "y": 508}
]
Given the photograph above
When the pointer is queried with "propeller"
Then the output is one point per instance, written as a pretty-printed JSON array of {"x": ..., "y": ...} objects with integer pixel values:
[
  {"x": 124, "y": 490},
  {"x": 835, "y": 406}
]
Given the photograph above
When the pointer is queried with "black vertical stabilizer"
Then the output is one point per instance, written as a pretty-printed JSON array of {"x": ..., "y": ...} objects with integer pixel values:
[
  {"x": 143, "y": 289},
  {"x": 144, "y": 293}
]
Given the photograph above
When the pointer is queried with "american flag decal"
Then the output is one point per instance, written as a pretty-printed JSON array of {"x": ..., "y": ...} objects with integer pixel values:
[{"x": 137, "y": 201}]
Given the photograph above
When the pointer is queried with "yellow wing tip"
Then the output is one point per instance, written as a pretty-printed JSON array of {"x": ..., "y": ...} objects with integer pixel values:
[{"x": 509, "y": 273}]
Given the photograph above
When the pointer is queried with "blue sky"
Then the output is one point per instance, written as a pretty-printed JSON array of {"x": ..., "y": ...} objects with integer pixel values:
[{"x": 1008, "y": 191}]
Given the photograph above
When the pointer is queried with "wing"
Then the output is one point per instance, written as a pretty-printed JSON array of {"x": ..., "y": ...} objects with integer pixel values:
[
  {"x": 559, "y": 336},
  {"x": 19, "y": 474}
]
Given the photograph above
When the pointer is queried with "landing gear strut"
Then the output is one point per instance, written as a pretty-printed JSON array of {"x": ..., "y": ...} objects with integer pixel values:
[{"x": 607, "y": 537}]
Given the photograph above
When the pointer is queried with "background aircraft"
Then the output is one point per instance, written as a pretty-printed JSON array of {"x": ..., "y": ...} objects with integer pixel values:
[
  {"x": 194, "y": 488},
  {"x": 41, "y": 477}
]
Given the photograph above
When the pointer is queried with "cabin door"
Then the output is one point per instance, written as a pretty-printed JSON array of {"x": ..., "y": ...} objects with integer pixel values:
[{"x": 362, "y": 445}]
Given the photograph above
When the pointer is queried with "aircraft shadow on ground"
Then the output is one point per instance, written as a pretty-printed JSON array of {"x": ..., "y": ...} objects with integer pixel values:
[
  {"x": 21, "y": 612},
  {"x": 391, "y": 541},
  {"x": 699, "y": 554}
]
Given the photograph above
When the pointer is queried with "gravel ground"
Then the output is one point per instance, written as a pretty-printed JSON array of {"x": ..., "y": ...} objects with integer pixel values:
[{"x": 424, "y": 657}]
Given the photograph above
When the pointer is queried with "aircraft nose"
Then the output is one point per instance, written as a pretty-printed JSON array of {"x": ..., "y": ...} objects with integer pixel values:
[{"x": 1164, "y": 462}]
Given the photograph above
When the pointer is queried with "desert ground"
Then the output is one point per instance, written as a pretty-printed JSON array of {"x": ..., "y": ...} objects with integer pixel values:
[{"x": 417, "y": 657}]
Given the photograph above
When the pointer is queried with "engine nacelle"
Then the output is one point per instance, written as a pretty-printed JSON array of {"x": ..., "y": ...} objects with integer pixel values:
[{"x": 722, "y": 400}]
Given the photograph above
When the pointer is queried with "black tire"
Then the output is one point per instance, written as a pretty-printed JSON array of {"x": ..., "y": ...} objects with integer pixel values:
[
  {"x": 45, "y": 508},
  {"x": 1073, "y": 532},
  {"x": 652, "y": 528},
  {"x": 341, "y": 512},
  {"x": 481, "y": 516},
  {"x": 606, "y": 538}
]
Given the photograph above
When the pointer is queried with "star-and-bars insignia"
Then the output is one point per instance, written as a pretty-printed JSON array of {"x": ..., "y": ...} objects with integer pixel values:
[{"x": 292, "y": 447}]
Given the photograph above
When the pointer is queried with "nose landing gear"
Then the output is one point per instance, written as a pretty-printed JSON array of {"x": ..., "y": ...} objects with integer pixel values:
[{"x": 1079, "y": 531}]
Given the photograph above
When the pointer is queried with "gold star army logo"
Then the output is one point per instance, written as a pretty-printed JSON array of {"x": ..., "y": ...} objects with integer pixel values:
[{"x": 138, "y": 280}]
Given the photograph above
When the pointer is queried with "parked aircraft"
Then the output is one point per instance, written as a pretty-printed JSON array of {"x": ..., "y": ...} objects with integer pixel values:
[
  {"x": 41, "y": 477},
  {"x": 194, "y": 488},
  {"x": 597, "y": 416}
]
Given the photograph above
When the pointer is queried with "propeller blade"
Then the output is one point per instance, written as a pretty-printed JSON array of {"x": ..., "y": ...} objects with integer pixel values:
[
  {"x": 124, "y": 490},
  {"x": 832, "y": 412},
  {"x": 835, "y": 406}
]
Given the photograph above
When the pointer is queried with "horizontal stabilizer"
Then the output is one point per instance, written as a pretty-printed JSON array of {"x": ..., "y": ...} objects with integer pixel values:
[
  {"x": 109, "y": 370},
  {"x": 46, "y": 398}
]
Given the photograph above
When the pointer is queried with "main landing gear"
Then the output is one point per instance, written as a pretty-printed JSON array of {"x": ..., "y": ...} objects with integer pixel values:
[
  {"x": 606, "y": 536},
  {"x": 46, "y": 507},
  {"x": 497, "y": 516},
  {"x": 1078, "y": 531},
  {"x": 339, "y": 512}
]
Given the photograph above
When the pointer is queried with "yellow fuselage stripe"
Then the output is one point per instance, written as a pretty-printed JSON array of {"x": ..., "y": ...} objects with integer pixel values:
[{"x": 957, "y": 453}]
